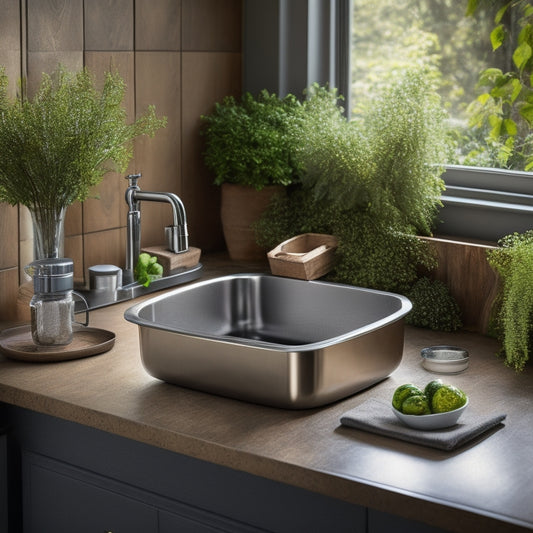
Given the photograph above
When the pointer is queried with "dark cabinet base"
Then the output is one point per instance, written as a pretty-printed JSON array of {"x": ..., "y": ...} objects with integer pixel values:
[{"x": 75, "y": 478}]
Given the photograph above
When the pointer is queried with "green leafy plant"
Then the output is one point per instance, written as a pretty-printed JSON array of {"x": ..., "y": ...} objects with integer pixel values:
[
  {"x": 370, "y": 254},
  {"x": 433, "y": 306},
  {"x": 504, "y": 109},
  {"x": 59, "y": 144},
  {"x": 147, "y": 269},
  {"x": 249, "y": 141},
  {"x": 387, "y": 162},
  {"x": 373, "y": 182},
  {"x": 513, "y": 319}
]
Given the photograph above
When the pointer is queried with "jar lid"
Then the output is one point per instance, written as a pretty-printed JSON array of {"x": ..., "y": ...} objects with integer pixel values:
[{"x": 55, "y": 274}]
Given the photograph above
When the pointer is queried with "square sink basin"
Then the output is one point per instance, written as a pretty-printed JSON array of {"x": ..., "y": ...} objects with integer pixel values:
[{"x": 271, "y": 340}]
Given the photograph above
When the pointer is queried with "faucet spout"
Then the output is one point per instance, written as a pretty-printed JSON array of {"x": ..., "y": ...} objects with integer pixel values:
[{"x": 176, "y": 234}]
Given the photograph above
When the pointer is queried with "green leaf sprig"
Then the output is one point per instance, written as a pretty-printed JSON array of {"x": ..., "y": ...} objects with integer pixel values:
[{"x": 147, "y": 269}]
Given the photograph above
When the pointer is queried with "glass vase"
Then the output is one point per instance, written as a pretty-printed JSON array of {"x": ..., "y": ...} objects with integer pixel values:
[{"x": 48, "y": 231}]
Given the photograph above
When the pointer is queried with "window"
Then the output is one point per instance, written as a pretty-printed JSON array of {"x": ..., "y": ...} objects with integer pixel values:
[
  {"x": 434, "y": 33},
  {"x": 489, "y": 193},
  {"x": 488, "y": 94}
]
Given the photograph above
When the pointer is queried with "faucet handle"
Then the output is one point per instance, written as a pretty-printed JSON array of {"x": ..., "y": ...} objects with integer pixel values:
[{"x": 133, "y": 178}]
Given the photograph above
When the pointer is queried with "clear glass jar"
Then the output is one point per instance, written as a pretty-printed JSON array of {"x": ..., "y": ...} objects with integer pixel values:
[
  {"x": 52, "y": 305},
  {"x": 52, "y": 316}
]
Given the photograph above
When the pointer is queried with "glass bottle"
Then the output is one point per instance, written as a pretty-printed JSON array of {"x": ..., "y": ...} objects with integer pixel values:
[{"x": 52, "y": 305}]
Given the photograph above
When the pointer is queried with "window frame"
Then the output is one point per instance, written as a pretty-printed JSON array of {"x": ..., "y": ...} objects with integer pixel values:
[{"x": 485, "y": 203}]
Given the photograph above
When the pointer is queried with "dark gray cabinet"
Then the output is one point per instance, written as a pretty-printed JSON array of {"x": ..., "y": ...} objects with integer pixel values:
[
  {"x": 172, "y": 523},
  {"x": 78, "y": 479},
  {"x": 62, "y": 498},
  {"x": 3, "y": 482},
  {"x": 58, "y": 498}
]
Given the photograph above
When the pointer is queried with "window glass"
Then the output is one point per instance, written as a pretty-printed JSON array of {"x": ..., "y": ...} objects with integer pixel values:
[{"x": 479, "y": 54}]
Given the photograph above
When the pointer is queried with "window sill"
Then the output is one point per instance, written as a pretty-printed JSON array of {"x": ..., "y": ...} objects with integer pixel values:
[{"x": 485, "y": 203}]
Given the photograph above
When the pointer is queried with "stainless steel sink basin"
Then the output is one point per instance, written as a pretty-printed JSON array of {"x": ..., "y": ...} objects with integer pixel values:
[{"x": 272, "y": 340}]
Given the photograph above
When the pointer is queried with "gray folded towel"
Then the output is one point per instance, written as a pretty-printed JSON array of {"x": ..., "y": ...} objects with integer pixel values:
[{"x": 377, "y": 417}]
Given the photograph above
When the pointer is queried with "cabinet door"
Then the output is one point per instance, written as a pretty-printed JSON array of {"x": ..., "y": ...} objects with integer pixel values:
[
  {"x": 63, "y": 500},
  {"x": 173, "y": 523},
  {"x": 379, "y": 522},
  {"x": 3, "y": 482}
]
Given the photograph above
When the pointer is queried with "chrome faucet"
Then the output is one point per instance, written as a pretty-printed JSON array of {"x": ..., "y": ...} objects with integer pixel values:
[
  {"x": 108, "y": 284},
  {"x": 176, "y": 235}
]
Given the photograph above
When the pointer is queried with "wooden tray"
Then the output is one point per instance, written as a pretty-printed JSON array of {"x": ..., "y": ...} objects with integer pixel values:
[
  {"x": 307, "y": 256},
  {"x": 17, "y": 343},
  {"x": 171, "y": 261}
]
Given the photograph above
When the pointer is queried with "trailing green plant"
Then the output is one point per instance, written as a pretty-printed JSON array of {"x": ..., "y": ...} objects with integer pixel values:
[
  {"x": 433, "y": 306},
  {"x": 250, "y": 142},
  {"x": 373, "y": 182},
  {"x": 57, "y": 145},
  {"x": 513, "y": 318}
]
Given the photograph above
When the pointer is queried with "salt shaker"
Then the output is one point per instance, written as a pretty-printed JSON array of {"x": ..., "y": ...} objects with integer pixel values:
[{"x": 52, "y": 305}]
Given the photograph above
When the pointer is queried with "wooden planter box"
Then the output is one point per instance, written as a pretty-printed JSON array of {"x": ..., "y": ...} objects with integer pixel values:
[{"x": 463, "y": 267}]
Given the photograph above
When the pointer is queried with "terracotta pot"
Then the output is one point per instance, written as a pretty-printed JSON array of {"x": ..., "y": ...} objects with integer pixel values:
[{"x": 241, "y": 207}]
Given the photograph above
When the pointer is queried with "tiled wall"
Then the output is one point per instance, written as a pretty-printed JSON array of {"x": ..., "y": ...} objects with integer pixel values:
[{"x": 181, "y": 56}]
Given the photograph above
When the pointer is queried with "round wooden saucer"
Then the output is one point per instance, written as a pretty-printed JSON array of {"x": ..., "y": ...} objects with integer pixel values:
[{"x": 17, "y": 343}]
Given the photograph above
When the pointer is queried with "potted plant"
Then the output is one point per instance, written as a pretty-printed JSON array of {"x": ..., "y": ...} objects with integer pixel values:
[
  {"x": 374, "y": 182},
  {"x": 56, "y": 146},
  {"x": 513, "y": 309},
  {"x": 250, "y": 149}
]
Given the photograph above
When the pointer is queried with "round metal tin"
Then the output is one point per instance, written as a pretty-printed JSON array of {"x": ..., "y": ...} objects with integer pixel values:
[{"x": 445, "y": 359}]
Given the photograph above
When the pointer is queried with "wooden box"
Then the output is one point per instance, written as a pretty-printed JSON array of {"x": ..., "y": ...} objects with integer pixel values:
[{"x": 307, "y": 256}]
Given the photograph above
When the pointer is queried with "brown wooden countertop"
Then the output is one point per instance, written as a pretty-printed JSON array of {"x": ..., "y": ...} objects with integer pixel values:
[{"x": 485, "y": 486}]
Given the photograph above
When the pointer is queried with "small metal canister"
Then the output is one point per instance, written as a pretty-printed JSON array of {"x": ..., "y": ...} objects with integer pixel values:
[{"x": 52, "y": 304}]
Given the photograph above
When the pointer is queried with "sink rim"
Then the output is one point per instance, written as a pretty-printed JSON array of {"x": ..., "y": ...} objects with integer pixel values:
[{"x": 132, "y": 314}]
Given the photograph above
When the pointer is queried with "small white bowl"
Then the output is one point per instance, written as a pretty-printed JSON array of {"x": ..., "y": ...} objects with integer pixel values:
[
  {"x": 445, "y": 359},
  {"x": 434, "y": 421}
]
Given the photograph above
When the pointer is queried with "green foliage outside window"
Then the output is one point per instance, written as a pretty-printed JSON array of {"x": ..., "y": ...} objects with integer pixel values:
[
  {"x": 479, "y": 54},
  {"x": 504, "y": 109}
]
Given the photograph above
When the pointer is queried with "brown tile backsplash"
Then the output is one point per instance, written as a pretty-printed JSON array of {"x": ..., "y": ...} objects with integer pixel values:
[
  {"x": 8, "y": 230},
  {"x": 9, "y": 285},
  {"x": 207, "y": 78},
  {"x": 181, "y": 56},
  {"x": 158, "y": 25},
  {"x": 103, "y": 212},
  {"x": 55, "y": 25},
  {"x": 108, "y": 24},
  {"x": 104, "y": 247},
  {"x": 9, "y": 25},
  {"x": 211, "y": 25}
]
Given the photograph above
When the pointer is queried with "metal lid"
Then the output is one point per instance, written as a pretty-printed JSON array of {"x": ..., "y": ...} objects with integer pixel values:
[
  {"x": 52, "y": 274},
  {"x": 104, "y": 270}
]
